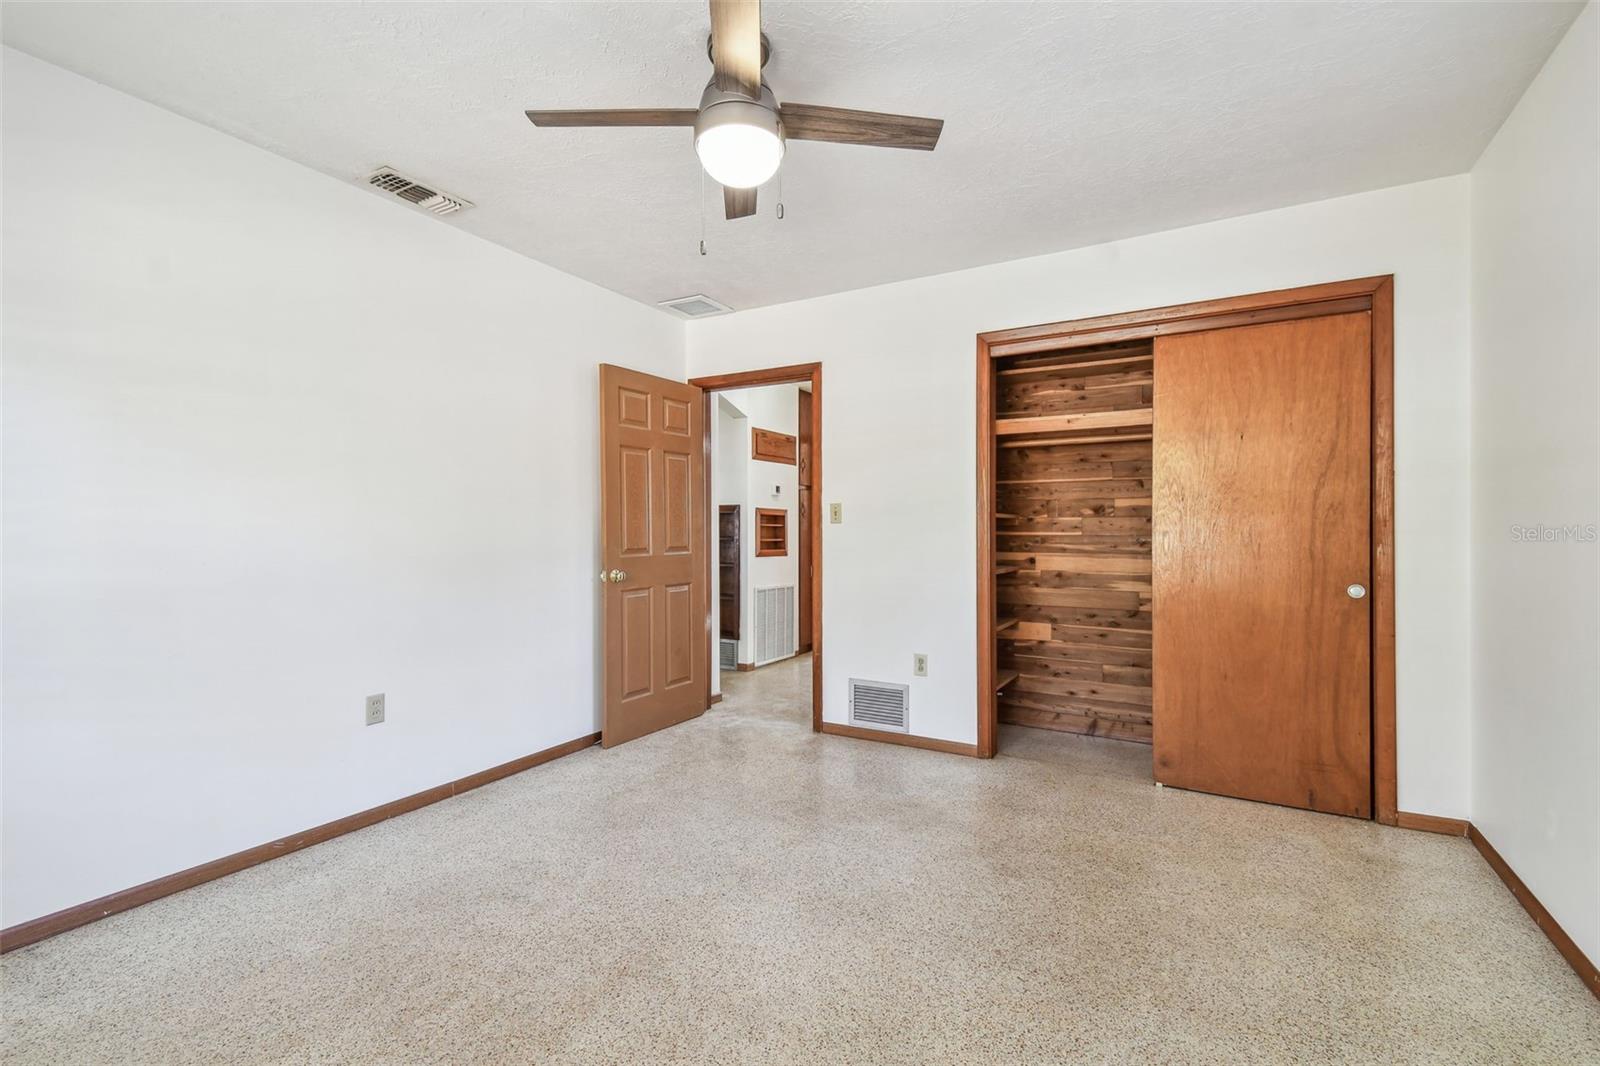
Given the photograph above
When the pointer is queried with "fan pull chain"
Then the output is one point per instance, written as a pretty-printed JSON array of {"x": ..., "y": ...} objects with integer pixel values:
[
  {"x": 780, "y": 196},
  {"x": 702, "y": 211}
]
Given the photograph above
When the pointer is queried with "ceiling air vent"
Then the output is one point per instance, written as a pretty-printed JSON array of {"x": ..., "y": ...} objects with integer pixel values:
[
  {"x": 429, "y": 199},
  {"x": 696, "y": 306},
  {"x": 879, "y": 705}
]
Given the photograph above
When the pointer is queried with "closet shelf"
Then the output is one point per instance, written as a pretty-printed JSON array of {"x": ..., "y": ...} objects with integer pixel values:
[
  {"x": 1001, "y": 571},
  {"x": 1012, "y": 373},
  {"x": 1138, "y": 416},
  {"x": 1004, "y": 624},
  {"x": 1027, "y": 632},
  {"x": 1005, "y": 679},
  {"x": 1114, "y": 438}
]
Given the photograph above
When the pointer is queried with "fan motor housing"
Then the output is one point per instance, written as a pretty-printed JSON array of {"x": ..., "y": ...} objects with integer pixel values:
[{"x": 719, "y": 108}]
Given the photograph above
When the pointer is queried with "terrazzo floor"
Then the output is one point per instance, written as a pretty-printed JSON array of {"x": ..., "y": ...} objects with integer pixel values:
[{"x": 741, "y": 890}]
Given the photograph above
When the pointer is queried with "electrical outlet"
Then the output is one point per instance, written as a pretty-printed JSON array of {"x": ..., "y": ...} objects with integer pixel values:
[
  {"x": 375, "y": 709},
  {"x": 835, "y": 513},
  {"x": 919, "y": 664}
]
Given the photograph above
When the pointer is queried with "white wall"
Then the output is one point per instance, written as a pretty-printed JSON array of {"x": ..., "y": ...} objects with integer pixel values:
[
  {"x": 899, "y": 438},
  {"x": 1536, "y": 462},
  {"x": 272, "y": 443},
  {"x": 774, "y": 407}
]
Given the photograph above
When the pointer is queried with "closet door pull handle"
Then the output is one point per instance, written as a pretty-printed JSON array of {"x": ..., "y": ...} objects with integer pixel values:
[{"x": 1355, "y": 591}]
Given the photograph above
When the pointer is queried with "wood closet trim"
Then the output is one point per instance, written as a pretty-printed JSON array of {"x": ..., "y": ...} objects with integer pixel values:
[
  {"x": 1374, "y": 294},
  {"x": 797, "y": 373},
  {"x": 1280, "y": 305}
]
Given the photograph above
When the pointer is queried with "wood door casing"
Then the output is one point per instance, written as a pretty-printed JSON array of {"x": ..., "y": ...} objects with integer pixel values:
[
  {"x": 728, "y": 571},
  {"x": 811, "y": 372},
  {"x": 652, "y": 494},
  {"x": 803, "y": 514},
  {"x": 1262, "y": 518}
]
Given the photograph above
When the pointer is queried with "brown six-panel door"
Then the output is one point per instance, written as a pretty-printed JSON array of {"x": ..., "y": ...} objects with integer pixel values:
[
  {"x": 653, "y": 553},
  {"x": 1262, "y": 546}
]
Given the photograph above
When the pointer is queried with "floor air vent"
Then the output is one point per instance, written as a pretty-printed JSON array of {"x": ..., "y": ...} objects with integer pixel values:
[
  {"x": 880, "y": 705},
  {"x": 774, "y": 623},
  {"x": 431, "y": 200},
  {"x": 730, "y": 655}
]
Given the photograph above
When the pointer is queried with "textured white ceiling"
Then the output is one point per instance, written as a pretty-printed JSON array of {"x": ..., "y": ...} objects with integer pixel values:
[{"x": 1066, "y": 124}]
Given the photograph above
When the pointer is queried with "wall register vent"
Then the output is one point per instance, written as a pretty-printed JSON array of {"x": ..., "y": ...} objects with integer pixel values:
[
  {"x": 431, "y": 200},
  {"x": 774, "y": 623},
  {"x": 880, "y": 705}
]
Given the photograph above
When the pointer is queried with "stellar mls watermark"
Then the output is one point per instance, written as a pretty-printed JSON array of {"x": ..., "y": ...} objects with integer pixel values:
[{"x": 1539, "y": 533}]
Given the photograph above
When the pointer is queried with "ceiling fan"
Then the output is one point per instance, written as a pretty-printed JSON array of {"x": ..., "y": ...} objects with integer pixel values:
[{"x": 739, "y": 127}]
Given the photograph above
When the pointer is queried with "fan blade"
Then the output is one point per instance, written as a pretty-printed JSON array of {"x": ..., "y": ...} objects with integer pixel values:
[
  {"x": 636, "y": 116},
  {"x": 807, "y": 122},
  {"x": 738, "y": 203},
  {"x": 736, "y": 46}
]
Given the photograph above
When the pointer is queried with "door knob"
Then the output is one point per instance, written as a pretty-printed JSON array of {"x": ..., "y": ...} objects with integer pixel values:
[
  {"x": 618, "y": 575},
  {"x": 1355, "y": 592}
]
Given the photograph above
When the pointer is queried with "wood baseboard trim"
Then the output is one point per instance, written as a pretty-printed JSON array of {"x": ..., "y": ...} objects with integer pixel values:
[
  {"x": 31, "y": 932},
  {"x": 1431, "y": 823},
  {"x": 949, "y": 747},
  {"x": 716, "y": 698},
  {"x": 1541, "y": 917},
  {"x": 744, "y": 666}
]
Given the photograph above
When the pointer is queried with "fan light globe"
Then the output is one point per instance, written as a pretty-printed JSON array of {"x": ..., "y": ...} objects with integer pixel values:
[
  {"x": 739, "y": 140},
  {"x": 739, "y": 155}
]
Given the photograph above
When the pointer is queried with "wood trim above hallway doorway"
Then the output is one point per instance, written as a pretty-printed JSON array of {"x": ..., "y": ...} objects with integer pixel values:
[
  {"x": 1373, "y": 294},
  {"x": 799, "y": 373}
]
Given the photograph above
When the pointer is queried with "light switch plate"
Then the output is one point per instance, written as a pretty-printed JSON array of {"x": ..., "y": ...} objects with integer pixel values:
[
  {"x": 835, "y": 513},
  {"x": 375, "y": 709}
]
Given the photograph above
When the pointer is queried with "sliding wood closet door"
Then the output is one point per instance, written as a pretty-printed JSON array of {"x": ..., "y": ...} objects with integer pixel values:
[{"x": 1262, "y": 520}]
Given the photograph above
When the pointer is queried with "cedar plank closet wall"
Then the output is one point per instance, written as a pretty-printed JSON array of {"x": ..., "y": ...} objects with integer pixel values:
[{"x": 1072, "y": 539}]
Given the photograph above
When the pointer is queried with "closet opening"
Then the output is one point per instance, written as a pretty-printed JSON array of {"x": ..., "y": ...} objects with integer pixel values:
[
  {"x": 1072, "y": 503},
  {"x": 1186, "y": 541}
]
